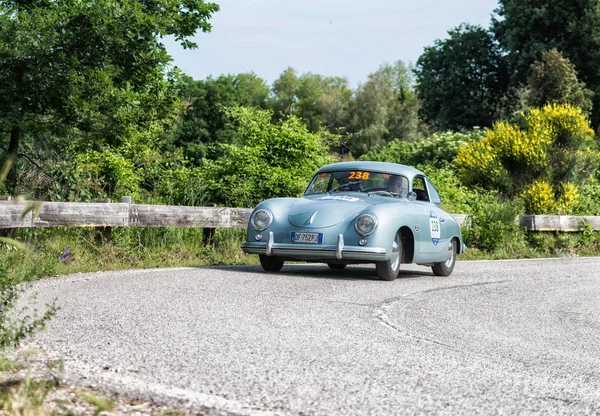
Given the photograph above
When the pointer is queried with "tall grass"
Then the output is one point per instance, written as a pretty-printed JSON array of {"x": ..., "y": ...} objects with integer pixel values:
[{"x": 73, "y": 250}]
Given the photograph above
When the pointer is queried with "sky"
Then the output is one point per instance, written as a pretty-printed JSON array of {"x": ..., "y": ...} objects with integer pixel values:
[{"x": 347, "y": 38}]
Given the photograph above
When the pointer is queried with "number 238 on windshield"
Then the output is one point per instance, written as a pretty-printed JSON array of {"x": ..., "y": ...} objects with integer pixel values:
[{"x": 359, "y": 175}]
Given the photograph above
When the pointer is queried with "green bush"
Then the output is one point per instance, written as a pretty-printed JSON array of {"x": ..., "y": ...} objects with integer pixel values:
[
  {"x": 274, "y": 160},
  {"x": 181, "y": 185},
  {"x": 438, "y": 150},
  {"x": 491, "y": 225},
  {"x": 456, "y": 198},
  {"x": 589, "y": 199}
]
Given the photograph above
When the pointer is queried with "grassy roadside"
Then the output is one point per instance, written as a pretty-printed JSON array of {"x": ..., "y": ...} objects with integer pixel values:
[
  {"x": 70, "y": 250},
  {"x": 78, "y": 250}
]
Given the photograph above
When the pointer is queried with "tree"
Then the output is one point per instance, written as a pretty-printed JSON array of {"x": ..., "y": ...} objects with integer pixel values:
[
  {"x": 384, "y": 108},
  {"x": 321, "y": 102},
  {"x": 94, "y": 67},
  {"x": 462, "y": 80},
  {"x": 553, "y": 79},
  {"x": 205, "y": 122},
  {"x": 284, "y": 93},
  {"x": 527, "y": 28}
]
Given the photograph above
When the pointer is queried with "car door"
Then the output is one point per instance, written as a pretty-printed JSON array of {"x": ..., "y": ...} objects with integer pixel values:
[{"x": 433, "y": 241}]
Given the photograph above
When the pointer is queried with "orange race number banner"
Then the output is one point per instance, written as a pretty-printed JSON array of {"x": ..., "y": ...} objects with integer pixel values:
[{"x": 359, "y": 175}]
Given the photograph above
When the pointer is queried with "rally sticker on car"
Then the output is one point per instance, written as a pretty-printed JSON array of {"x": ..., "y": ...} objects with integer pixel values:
[
  {"x": 434, "y": 227},
  {"x": 341, "y": 198}
]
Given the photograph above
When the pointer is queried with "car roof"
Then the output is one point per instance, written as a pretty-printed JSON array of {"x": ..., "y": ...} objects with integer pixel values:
[{"x": 384, "y": 167}]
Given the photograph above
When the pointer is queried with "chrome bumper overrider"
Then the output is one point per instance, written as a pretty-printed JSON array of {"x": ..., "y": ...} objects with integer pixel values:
[{"x": 314, "y": 251}]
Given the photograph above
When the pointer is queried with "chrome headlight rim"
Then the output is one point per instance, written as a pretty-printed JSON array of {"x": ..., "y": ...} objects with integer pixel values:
[
  {"x": 269, "y": 222},
  {"x": 365, "y": 233}
]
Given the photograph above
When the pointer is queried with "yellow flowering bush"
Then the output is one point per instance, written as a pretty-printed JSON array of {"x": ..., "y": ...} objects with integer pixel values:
[
  {"x": 525, "y": 160},
  {"x": 568, "y": 199},
  {"x": 538, "y": 198}
]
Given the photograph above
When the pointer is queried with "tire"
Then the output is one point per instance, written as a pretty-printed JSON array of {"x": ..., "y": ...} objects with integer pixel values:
[
  {"x": 445, "y": 268},
  {"x": 336, "y": 266},
  {"x": 270, "y": 264},
  {"x": 388, "y": 270}
]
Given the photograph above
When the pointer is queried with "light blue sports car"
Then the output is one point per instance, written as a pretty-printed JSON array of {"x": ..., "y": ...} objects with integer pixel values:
[{"x": 358, "y": 212}]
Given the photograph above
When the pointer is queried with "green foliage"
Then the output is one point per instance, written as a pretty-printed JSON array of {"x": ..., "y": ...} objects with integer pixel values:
[
  {"x": 492, "y": 224},
  {"x": 89, "y": 72},
  {"x": 181, "y": 185},
  {"x": 549, "y": 151},
  {"x": 456, "y": 198},
  {"x": 205, "y": 120},
  {"x": 589, "y": 199},
  {"x": 439, "y": 149},
  {"x": 384, "y": 108},
  {"x": 322, "y": 103},
  {"x": 274, "y": 160},
  {"x": 583, "y": 243},
  {"x": 462, "y": 80},
  {"x": 553, "y": 79},
  {"x": 528, "y": 28}
]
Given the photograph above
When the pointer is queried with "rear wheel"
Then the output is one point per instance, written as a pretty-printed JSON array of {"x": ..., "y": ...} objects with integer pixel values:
[
  {"x": 270, "y": 264},
  {"x": 445, "y": 268},
  {"x": 389, "y": 269},
  {"x": 336, "y": 266}
]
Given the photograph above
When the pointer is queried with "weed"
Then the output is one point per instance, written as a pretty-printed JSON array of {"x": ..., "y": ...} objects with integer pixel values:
[
  {"x": 24, "y": 397},
  {"x": 102, "y": 404}
]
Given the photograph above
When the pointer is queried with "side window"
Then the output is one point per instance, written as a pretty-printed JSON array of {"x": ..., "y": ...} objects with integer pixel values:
[
  {"x": 434, "y": 195},
  {"x": 420, "y": 188}
]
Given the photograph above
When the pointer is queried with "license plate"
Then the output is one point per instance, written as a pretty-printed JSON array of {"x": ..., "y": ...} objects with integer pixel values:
[{"x": 307, "y": 238}]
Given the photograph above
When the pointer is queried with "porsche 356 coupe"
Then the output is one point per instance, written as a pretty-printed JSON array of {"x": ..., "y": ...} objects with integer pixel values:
[{"x": 358, "y": 212}]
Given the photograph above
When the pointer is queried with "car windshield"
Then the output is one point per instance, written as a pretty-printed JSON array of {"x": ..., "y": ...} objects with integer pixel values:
[{"x": 358, "y": 181}]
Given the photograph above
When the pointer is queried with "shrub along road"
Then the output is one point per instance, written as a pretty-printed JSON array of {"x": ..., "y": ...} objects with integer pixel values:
[{"x": 507, "y": 337}]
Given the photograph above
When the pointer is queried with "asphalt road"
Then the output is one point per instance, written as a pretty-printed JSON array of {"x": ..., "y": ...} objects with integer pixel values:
[{"x": 496, "y": 337}]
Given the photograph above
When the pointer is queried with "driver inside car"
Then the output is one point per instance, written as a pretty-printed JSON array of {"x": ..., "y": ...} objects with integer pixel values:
[{"x": 397, "y": 185}]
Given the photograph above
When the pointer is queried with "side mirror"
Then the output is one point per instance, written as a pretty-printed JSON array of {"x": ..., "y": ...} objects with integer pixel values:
[{"x": 411, "y": 196}]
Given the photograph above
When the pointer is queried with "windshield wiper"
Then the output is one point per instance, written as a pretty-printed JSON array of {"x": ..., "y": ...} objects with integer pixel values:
[{"x": 342, "y": 186}]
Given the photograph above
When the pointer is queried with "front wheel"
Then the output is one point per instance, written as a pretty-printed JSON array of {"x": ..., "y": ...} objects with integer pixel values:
[
  {"x": 389, "y": 269},
  {"x": 445, "y": 268},
  {"x": 270, "y": 264}
]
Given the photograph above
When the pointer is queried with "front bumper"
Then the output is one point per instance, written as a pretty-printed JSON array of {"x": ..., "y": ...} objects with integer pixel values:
[{"x": 314, "y": 251}]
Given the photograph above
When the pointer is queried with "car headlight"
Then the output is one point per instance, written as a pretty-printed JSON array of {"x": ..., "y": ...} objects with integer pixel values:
[
  {"x": 261, "y": 219},
  {"x": 365, "y": 224}
]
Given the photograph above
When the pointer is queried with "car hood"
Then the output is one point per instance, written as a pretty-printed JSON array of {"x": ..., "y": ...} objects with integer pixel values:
[{"x": 325, "y": 211}]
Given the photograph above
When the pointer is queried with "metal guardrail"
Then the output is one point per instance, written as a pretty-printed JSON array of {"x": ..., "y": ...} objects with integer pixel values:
[{"x": 78, "y": 214}]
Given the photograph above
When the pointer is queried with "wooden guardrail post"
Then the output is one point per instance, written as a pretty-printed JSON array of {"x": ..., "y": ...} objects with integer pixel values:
[
  {"x": 208, "y": 234},
  {"x": 104, "y": 233}
]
